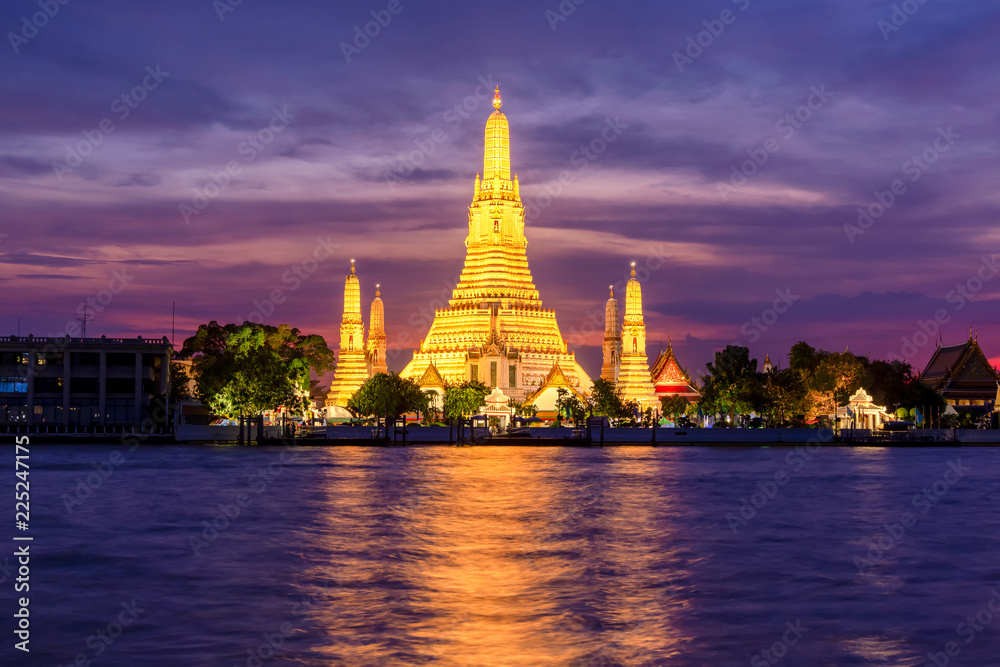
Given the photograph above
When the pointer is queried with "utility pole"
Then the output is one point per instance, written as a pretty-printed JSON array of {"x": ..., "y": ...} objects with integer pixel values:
[{"x": 85, "y": 317}]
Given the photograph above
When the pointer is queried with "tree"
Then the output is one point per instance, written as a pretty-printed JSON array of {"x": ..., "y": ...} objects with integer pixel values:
[
  {"x": 887, "y": 382},
  {"x": 464, "y": 400},
  {"x": 837, "y": 376},
  {"x": 784, "y": 396},
  {"x": 568, "y": 404},
  {"x": 248, "y": 369},
  {"x": 673, "y": 406},
  {"x": 606, "y": 400},
  {"x": 388, "y": 395},
  {"x": 732, "y": 383},
  {"x": 804, "y": 359}
]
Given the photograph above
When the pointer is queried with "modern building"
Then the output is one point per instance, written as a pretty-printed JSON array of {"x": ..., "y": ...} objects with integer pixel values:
[
  {"x": 81, "y": 381},
  {"x": 495, "y": 329}
]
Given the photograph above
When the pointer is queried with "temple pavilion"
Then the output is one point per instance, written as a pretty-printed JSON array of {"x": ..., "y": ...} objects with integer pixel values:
[
  {"x": 669, "y": 379},
  {"x": 962, "y": 374}
]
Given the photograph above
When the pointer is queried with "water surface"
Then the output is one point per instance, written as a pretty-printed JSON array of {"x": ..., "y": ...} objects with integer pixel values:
[{"x": 515, "y": 556}]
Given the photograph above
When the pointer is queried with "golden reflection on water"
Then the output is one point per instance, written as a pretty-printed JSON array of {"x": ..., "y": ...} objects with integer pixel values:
[{"x": 495, "y": 556}]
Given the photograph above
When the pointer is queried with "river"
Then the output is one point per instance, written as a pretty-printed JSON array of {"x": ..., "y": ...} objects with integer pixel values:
[{"x": 523, "y": 556}]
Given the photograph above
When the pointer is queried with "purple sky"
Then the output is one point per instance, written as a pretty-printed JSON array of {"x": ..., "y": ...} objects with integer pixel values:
[{"x": 653, "y": 195}]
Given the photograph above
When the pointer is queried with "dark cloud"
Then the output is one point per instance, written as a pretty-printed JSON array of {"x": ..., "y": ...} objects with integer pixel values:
[{"x": 429, "y": 74}]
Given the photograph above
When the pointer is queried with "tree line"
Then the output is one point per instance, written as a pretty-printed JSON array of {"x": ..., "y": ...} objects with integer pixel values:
[{"x": 813, "y": 385}]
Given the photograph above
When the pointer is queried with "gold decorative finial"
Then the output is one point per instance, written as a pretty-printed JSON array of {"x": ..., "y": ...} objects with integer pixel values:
[
  {"x": 633, "y": 269},
  {"x": 611, "y": 288},
  {"x": 352, "y": 267},
  {"x": 496, "y": 99},
  {"x": 377, "y": 293}
]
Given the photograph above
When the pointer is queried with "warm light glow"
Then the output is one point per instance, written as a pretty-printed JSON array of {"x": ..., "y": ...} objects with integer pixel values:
[
  {"x": 352, "y": 370},
  {"x": 633, "y": 375},
  {"x": 520, "y": 334}
]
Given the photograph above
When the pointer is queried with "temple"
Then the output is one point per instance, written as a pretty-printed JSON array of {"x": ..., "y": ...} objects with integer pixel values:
[
  {"x": 633, "y": 373},
  {"x": 352, "y": 364},
  {"x": 669, "y": 379},
  {"x": 494, "y": 329},
  {"x": 962, "y": 375}
]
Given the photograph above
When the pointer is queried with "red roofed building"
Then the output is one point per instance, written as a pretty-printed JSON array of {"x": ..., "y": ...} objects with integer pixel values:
[{"x": 669, "y": 378}]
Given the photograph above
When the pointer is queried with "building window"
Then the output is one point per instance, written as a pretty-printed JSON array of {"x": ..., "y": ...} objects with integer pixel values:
[
  {"x": 84, "y": 411},
  {"x": 493, "y": 373},
  {"x": 635, "y": 346},
  {"x": 350, "y": 342},
  {"x": 512, "y": 376},
  {"x": 13, "y": 410},
  {"x": 14, "y": 385},
  {"x": 85, "y": 385},
  {"x": 119, "y": 411},
  {"x": 85, "y": 359},
  {"x": 120, "y": 385},
  {"x": 48, "y": 385},
  {"x": 13, "y": 358},
  {"x": 121, "y": 359},
  {"x": 474, "y": 373},
  {"x": 48, "y": 410}
]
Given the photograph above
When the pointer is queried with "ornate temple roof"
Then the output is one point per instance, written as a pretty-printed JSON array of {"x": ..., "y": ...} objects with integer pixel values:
[
  {"x": 669, "y": 378},
  {"x": 961, "y": 372},
  {"x": 431, "y": 378},
  {"x": 556, "y": 380}
]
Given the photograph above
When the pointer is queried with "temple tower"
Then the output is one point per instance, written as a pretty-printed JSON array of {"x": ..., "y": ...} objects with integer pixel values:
[
  {"x": 633, "y": 375},
  {"x": 612, "y": 339},
  {"x": 494, "y": 329},
  {"x": 376, "y": 336},
  {"x": 352, "y": 369}
]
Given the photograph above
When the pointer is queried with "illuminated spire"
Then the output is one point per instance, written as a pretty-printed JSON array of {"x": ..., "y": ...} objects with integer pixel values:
[
  {"x": 351, "y": 368},
  {"x": 496, "y": 161},
  {"x": 352, "y": 295},
  {"x": 634, "y": 376},
  {"x": 633, "y": 302},
  {"x": 376, "y": 336},
  {"x": 612, "y": 339},
  {"x": 377, "y": 321}
]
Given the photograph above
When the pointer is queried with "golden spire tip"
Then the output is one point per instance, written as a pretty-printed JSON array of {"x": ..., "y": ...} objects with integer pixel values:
[{"x": 497, "y": 102}]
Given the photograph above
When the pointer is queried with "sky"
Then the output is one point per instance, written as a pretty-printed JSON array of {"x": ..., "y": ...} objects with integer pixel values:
[{"x": 780, "y": 171}]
